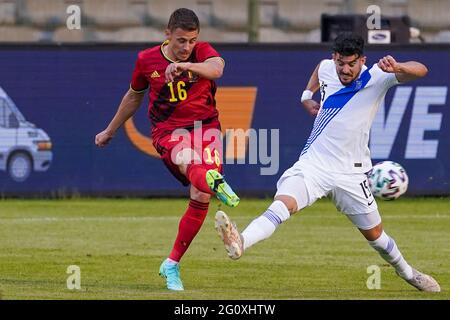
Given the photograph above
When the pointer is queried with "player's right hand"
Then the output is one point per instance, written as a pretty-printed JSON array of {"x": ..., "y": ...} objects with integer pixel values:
[
  {"x": 311, "y": 106},
  {"x": 103, "y": 138},
  {"x": 389, "y": 64},
  {"x": 175, "y": 69}
]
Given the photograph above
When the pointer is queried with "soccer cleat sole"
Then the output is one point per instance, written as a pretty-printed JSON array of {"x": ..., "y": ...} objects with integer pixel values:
[{"x": 228, "y": 233}]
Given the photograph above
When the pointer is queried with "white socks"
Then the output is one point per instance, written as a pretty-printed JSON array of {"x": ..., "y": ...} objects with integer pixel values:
[
  {"x": 388, "y": 250},
  {"x": 262, "y": 227}
]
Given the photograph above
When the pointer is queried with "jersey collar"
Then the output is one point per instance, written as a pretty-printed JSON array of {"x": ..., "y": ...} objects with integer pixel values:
[{"x": 165, "y": 43}]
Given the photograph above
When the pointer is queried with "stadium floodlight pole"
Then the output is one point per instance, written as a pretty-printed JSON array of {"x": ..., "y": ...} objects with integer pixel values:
[{"x": 253, "y": 21}]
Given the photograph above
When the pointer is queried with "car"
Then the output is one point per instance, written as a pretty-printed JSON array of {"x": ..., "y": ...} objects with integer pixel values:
[{"x": 24, "y": 148}]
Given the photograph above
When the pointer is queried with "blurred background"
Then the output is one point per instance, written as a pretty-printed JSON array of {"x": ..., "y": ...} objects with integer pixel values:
[
  {"x": 65, "y": 66},
  {"x": 62, "y": 79},
  {"x": 237, "y": 21}
]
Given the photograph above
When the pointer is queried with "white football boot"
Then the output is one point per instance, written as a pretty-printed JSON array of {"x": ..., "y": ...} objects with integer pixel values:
[
  {"x": 229, "y": 234},
  {"x": 423, "y": 282}
]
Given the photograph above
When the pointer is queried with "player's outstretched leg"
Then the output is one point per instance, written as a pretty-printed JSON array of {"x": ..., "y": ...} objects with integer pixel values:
[
  {"x": 221, "y": 188},
  {"x": 170, "y": 270},
  {"x": 189, "y": 226},
  {"x": 230, "y": 235},
  {"x": 259, "y": 229}
]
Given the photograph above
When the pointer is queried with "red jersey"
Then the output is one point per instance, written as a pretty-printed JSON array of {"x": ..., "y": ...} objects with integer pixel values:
[{"x": 179, "y": 103}]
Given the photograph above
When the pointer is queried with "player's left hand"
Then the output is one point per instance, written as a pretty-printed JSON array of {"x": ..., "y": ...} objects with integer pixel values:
[
  {"x": 388, "y": 64},
  {"x": 175, "y": 69}
]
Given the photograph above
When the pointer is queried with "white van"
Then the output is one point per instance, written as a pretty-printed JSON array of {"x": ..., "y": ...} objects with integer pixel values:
[{"x": 23, "y": 147}]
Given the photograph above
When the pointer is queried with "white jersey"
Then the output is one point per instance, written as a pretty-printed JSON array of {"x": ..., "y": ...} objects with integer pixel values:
[{"x": 340, "y": 136}]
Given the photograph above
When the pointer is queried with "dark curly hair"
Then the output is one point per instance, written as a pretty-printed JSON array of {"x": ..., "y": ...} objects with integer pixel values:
[
  {"x": 184, "y": 19},
  {"x": 348, "y": 44}
]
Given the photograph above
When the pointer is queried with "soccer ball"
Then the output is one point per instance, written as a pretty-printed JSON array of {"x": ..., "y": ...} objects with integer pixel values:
[{"x": 388, "y": 180}]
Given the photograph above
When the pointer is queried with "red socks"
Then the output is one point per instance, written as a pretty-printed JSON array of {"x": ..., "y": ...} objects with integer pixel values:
[
  {"x": 190, "y": 224},
  {"x": 192, "y": 220},
  {"x": 197, "y": 176}
]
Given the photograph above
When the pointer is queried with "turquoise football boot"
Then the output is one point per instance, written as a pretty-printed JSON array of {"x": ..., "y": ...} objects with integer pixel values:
[{"x": 171, "y": 272}]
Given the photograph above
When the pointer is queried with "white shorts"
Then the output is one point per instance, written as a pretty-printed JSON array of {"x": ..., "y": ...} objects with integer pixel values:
[{"x": 351, "y": 194}]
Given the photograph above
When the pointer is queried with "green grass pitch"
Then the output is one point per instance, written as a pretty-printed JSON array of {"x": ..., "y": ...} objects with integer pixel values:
[{"x": 119, "y": 244}]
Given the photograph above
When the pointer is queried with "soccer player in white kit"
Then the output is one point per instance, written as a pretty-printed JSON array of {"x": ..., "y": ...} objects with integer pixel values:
[{"x": 336, "y": 157}]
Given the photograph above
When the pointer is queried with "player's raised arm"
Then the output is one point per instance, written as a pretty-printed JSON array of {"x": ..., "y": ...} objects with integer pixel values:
[
  {"x": 404, "y": 71},
  {"x": 311, "y": 106},
  {"x": 210, "y": 69},
  {"x": 129, "y": 105}
]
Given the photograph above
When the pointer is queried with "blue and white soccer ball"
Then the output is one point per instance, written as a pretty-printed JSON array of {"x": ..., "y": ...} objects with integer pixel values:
[{"x": 388, "y": 180}]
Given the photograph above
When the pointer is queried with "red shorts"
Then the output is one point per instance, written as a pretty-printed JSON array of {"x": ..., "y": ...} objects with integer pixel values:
[{"x": 205, "y": 142}]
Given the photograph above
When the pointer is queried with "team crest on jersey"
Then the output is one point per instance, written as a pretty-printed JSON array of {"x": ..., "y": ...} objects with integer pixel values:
[
  {"x": 358, "y": 84},
  {"x": 188, "y": 76},
  {"x": 192, "y": 77}
]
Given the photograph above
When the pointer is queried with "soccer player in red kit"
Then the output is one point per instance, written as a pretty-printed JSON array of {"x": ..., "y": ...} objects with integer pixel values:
[{"x": 179, "y": 75}]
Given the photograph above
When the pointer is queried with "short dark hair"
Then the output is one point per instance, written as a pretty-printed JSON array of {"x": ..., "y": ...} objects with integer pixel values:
[
  {"x": 185, "y": 19},
  {"x": 348, "y": 44}
]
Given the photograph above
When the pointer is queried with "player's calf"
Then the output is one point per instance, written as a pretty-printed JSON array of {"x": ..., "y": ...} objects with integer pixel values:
[
  {"x": 265, "y": 225},
  {"x": 388, "y": 250}
]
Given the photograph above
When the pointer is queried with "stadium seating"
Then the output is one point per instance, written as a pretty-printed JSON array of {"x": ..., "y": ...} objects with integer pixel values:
[
  {"x": 430, "y": 15},
  {"x": 131, "y": 34},
  {"x": 277, "y": 35},
  {"x": 7, "y": 13},
  {"x": 222, "y": 21},
  {"x": 231, "y": 14},
  {"x": 114, "y": 13},
  {"x": 217, "y": 35},
  {"x": 43, "y": 13},
  {"x": 63, "y": 34},
  {"x": 297, "y": 14},
  {"x": 158, "y": 12},
  {"x": 24, "y": 34}
]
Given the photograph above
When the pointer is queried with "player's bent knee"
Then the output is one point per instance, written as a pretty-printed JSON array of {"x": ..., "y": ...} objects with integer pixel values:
[
  {"x": 186, "y": 156},
  {"x": 369, "y": 224},
  {"x": 293, "y": 192},
  {"x": 289, "y": 202},
  {"x": 373, "y": 233},
  {"x": 198, "y": 195}
]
